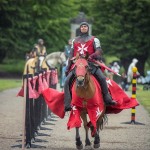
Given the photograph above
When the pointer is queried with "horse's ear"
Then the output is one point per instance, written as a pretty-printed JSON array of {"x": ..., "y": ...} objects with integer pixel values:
[
  {"x": 86, "y": 56},
  {"x": 88, "y": 68},
  {"x": 74, "y": 70}
]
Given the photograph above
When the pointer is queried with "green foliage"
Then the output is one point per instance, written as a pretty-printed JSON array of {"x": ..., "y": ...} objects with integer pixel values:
[
  {"x": 23, "y": 22},
  {"x": 123, "y": 28},
  {"x": 12, "y": 66}
]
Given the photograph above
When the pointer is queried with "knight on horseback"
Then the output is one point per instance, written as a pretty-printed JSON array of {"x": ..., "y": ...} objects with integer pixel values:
[
  {"x": 89, "y": 47},
  {"x": 39, "y": 48}
]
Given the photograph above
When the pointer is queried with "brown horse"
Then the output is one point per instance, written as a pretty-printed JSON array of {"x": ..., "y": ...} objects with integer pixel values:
[{"x": 87, "y": 100}]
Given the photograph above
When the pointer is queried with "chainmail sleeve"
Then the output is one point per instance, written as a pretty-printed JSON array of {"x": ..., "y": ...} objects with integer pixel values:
[{"x": 97, "y": 44}]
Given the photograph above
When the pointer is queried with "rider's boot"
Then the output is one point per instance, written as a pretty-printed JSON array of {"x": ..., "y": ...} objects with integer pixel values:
[
  {"x": 67, "y": 94},
  {"x": 106, "y": 96}
]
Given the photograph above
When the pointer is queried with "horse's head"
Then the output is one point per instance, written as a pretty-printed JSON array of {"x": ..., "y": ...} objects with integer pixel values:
[
  {"x": 81, "y": 70},
  {"x": 40, "y": 60},
  {"x": 55, "y": 58}
]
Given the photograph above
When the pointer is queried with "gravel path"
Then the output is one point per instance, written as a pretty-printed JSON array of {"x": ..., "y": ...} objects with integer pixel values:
[{"x": 116, "y": 135}]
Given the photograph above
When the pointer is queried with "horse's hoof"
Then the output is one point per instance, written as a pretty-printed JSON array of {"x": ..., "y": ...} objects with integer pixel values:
[
  {"x": 38, "y": 128},
  {"x": 33, "y": 140},
  {"x": 36, "y": 133},
  {"x": 97, "y": 145},
  {"x": 88, "y": 147},
  {"x": 79, "y": 146},
  {"x": 28, "y": 145}
]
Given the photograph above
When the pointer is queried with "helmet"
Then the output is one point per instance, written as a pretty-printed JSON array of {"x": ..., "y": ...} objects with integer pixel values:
[
  {"x": 84, "y": 23},
  {"x": 40, "y": 41}
]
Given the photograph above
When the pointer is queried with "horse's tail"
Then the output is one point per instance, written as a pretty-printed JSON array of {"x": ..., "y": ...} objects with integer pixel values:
[{"x": 103, "y": 122}]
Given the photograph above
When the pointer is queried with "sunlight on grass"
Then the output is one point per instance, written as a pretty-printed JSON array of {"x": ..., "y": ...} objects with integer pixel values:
[{"x": 9, "y": 83}]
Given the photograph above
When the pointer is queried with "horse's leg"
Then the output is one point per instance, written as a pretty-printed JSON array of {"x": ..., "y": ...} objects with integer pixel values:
[
  {"x": 97, "y": 136},
  {"x": 79, "y": 144},
  {"x": 97, "y": 140},
  {"x": 84, "y": 118}
]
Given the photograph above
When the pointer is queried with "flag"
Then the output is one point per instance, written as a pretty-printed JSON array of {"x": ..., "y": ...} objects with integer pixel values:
[
  {"x": 21, "y": 92},
  {"x": 54, "y": 77},
  {"x": 48, "y": 77},
  {"x": 31, "y": 87}
]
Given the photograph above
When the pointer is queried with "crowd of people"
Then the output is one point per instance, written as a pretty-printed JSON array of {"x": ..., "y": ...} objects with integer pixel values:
[{"x": 126, "y": 76}]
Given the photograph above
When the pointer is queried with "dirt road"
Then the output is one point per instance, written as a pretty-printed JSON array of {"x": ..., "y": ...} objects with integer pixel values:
[{"x": 116, "y": 135}]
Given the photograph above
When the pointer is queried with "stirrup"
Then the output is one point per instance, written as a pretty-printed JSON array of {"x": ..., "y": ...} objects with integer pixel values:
[
  {"x": 108, "y": 100},
  {"x": 67, "y": 108},
  {"x": 111, "y": 103}
]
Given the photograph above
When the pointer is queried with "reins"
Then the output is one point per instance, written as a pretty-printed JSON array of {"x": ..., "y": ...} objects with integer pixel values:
[{"x": 88, "y": 80}]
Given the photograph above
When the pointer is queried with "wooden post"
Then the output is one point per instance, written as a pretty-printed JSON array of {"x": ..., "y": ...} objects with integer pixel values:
[{"x": 24, "y": 111}]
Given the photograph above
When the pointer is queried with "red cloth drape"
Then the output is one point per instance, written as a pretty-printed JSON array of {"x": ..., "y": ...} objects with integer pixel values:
[
  {"x": 21, "y": 91},
  {"x": 31, "y": 87},
  {"x": 55, "y": 101},
  {"x": 122, "y": 99},
  {"x": 54, "y": 77}
]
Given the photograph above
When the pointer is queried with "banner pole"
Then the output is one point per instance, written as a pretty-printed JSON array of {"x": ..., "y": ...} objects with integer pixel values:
[{"x": 24, "y": 112}]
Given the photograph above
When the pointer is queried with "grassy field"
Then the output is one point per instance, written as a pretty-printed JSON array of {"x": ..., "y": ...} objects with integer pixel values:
[
  {"x": 143, "y": 97},
  {"x": 9, "y": 83}
]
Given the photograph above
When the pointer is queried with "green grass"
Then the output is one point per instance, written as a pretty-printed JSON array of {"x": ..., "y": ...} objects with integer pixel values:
[
  {"x": 9, "y": 83},
  {"x": 143, "y": 97}
]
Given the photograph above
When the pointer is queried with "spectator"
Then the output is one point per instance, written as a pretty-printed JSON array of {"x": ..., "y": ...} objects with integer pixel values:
[
  {"x": 130, "y": 71},
  {"x": 124, "y": 84},
  {"x": 115, "y": 68}
]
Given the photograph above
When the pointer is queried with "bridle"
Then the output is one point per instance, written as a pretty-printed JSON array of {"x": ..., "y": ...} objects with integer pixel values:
[{"x": 82, "y": 74}]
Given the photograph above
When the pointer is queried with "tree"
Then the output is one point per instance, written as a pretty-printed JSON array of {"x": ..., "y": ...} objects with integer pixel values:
[
  {"x": 23, "y": 22},
  {"x": 123, "y": 27}
]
